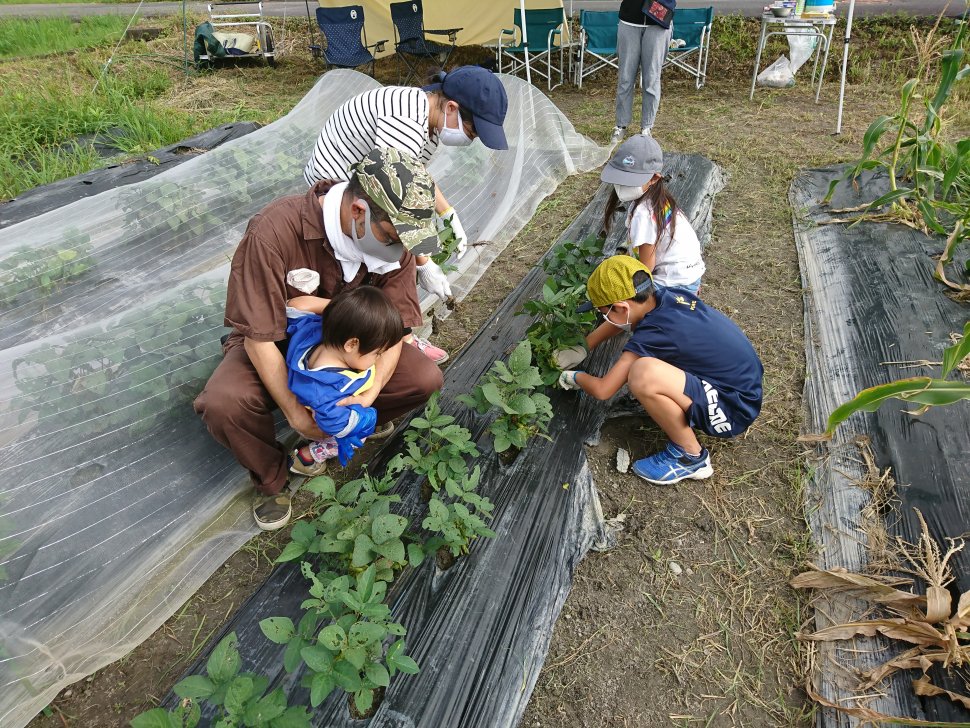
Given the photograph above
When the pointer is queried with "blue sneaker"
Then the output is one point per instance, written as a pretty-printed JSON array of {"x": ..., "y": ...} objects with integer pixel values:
[{"x": 673, "y": 464}]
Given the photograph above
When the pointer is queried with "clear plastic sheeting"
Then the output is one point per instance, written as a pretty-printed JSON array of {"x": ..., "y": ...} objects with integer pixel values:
[
  {"x": 872, "y": 312},
  {"x": 480, "y": 631},
  {"x": 115, "y": 505}
]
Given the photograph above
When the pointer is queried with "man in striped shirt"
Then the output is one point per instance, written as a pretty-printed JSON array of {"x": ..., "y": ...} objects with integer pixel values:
[{"x": 460, "y": 105}]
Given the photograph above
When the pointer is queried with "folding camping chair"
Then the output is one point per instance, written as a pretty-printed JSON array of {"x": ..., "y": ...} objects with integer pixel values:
[
  {"x": 544, "y": 28},
  {"x": 693, "y": 27},
  {"x": 242, "y": 30},
  {"x": 597, "y": 42},
  {"x": 410, "y": 41},
  {"x": 344, "y": 39}
]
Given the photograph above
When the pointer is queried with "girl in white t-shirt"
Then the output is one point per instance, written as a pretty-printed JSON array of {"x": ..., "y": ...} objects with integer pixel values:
[{"x": 660, "y": 235}]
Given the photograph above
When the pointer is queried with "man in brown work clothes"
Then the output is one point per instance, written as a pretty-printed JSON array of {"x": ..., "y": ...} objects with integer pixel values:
[{"x": 338, "y": 236}]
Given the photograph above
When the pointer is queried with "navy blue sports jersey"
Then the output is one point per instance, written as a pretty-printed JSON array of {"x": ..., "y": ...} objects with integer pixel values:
[{"x": 683, "y": 331}]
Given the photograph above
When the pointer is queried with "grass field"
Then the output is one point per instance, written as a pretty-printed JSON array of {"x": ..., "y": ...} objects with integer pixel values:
[{"x": 636, "y": 646}]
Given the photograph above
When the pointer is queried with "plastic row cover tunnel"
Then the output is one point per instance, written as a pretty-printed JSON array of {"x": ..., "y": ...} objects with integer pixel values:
[
  {"x": 115, "y": 505},
  {"x": 480, "y": 631},
  {"x": 872, "y": 311}
]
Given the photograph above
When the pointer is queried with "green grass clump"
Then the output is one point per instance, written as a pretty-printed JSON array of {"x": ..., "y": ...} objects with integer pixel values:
[{"x": 21, "y": 37}]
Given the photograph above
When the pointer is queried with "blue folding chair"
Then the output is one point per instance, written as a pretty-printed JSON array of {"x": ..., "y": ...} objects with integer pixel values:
[
  {"x": 410, "y": 40},
  {"x": 544, "y": 28},
  {"x": 691, "y": 42},
  {"x": 597, "y": 42},
  {"x": 344, "y": 38}
]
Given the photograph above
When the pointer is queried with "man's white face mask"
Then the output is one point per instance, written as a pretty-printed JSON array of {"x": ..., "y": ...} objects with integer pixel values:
[
  {"x": 628, "y": 194},
  {"x": 453, "y": 137}
]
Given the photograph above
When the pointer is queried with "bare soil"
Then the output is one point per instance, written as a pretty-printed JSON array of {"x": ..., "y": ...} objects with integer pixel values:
[{"x": 689, "y": 621}]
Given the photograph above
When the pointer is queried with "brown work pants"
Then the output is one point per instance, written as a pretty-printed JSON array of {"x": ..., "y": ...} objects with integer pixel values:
[{"x": 238, "y": 410}]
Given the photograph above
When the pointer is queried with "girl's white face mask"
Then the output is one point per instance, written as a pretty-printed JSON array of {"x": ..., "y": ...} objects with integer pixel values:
[
  {"x": 628, "y": 194},
  {"x": 453, "y": 137}
]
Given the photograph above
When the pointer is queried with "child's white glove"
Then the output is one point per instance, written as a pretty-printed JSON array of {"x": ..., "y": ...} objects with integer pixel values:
[
  {"x": 568, "y": 358},
  {"x": 434, "y": 280},
  {"x": 456, "y": 227},
  {"x": 567, "y": 380}
]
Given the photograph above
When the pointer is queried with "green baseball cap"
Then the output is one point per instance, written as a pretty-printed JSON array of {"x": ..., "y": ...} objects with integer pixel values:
[{"x": 401, "y": 186}]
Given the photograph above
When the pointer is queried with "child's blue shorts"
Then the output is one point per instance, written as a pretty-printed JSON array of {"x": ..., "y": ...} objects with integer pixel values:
[{"x": 713, "y": 411}]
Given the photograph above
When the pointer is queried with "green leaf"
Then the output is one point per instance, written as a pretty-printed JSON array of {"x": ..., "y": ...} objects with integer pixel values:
[
  {"x": 523, "y": 404},
  {"x": 240, "y": 690},
  {"x": 278, "y": 629},
  {"x": 318, "y": 658},
  {"x": 294, "y": 717},
  {"x": 494, "y": 397},
  {"x": 355, "y": 656},
  {"x": 922, "y": 390},
  {"x": 291, "y": 551},
  {"x": 320, "y": 688},
  {"x": 332, "y": 637},
  {"x": 388, "y": 527},
  {"x": 266, "y": 709},
  {"x": 393, "y": 551},
  {"x": 291, "y": 656},
  {"x": 194, "y": 687},
  {"x": 364, "y": 633},
  {"x": 363, "y": 551},
  {"x": 365, "y": 582},
  {"x": 955, "y": 354},
  {"x": 155, "y": 718},
  {"x": 224, "y": 661},
  {"x": 521, "y": 358},
  {"x": 377, "y": 674},
  {"x": 364, "y": 699},
  {"x": 415, "y": 555}
]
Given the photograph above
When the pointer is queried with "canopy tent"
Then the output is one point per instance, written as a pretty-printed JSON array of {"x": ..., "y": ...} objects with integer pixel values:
[{"x": 480, "y": 22}]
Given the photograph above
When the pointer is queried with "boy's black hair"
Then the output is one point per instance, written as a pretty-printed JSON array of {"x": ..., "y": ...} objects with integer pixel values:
[
  {"x": 365, "y": 314},
  {"x": 639, "y": 278}
]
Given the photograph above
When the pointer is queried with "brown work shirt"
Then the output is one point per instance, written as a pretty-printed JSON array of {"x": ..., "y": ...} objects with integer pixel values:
[{"x": 289, "y": 234}]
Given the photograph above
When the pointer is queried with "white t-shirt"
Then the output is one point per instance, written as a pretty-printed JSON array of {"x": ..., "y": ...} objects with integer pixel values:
[
  {"x": 678, "y": 262},
  {"x": 393, "y": 116}
]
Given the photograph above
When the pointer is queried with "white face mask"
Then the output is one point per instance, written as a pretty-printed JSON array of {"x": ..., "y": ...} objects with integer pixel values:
[
  {"x": 628, "y": 194},
  {"x": 628, "y": 327},
  {"x": 453, "y": 137}
]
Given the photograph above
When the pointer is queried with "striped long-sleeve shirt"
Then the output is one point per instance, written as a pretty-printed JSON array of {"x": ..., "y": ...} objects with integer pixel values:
[{"x": 393, "y": 116}]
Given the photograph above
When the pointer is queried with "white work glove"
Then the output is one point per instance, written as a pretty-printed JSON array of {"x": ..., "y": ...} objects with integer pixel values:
[
  {"x": 458, "y": 230},
  {"x": 568, "y": 358},
  {"x": 434, "y": 280},
  {"x": 567, "y": 380}
]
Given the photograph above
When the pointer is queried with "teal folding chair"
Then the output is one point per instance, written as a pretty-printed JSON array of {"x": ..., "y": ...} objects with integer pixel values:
[
  {"x": 545, "y": 29},
  {"x": 692, "y": 26},
  {"x": 597, "y": 42}
]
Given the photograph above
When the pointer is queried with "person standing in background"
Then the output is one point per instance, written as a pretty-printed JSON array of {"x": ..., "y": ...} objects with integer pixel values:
[{"x": 641, "y": 45}]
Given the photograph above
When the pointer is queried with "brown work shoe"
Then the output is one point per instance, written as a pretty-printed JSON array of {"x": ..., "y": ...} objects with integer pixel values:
[
  {"x": 272, "y": 512},
  {"x": 383, "y": 431}
]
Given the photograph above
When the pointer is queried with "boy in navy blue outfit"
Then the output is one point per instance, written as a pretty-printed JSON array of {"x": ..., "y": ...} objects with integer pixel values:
[{"x": 687, "y": 364}]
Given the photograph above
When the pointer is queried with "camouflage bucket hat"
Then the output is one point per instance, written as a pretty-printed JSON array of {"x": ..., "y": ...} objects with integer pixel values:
[{"x": 401, "y": 186}]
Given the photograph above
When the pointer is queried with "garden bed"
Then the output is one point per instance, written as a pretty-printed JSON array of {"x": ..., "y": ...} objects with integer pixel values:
[{"x": 873, "y": 314}]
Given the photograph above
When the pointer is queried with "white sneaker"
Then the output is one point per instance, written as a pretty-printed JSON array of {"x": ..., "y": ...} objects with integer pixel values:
[
  {"x": 646, "y": 131},
  {"x": 618, "y": 133}
]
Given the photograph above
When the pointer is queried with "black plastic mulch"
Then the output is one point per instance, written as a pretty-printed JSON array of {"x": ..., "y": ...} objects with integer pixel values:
[{"x": 873, "y": 313}]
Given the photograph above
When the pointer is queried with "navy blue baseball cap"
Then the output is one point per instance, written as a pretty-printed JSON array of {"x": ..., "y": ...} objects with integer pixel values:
[{"x": 479, "y": 91}]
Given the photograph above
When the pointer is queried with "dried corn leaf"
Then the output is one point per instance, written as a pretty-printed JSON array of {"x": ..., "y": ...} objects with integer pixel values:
[
  {"x": 916, "y": 657},
  {"x": 938, "y": 603},
  {"x": 923, "y": 686},
  {"x": 961, "y": 618},
  {"x": 876, "y": 590},
  {"x": 867, "y": 715},
  {"x": 917, "y": 633}
]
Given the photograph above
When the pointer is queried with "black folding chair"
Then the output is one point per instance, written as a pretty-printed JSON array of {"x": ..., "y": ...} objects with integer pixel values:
[
  {"x": 410, "y": 41},
  {"x": 344, "y": 40}
]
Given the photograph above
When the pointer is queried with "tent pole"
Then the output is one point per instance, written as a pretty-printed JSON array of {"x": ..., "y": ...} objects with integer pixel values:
[
  {"x": 845, "y": 64},
  {"x": 525, "y": 42}
]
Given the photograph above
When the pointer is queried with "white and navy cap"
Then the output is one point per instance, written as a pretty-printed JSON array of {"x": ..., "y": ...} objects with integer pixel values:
[{"x": 636, "y": 161}]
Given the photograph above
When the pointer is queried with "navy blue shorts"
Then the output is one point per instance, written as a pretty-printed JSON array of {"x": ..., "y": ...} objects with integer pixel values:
[{"x": 712, "y": 410}]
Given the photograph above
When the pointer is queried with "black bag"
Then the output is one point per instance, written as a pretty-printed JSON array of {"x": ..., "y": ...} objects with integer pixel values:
[{"x": 660, "y": 11}]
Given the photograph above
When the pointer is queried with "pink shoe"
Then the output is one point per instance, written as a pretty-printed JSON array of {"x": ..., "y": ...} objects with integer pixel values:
[{"x": 438, "y": 356}]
